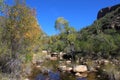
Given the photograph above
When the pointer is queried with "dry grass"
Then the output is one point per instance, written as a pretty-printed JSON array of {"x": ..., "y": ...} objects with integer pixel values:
[{"x": 112, "y": 69}]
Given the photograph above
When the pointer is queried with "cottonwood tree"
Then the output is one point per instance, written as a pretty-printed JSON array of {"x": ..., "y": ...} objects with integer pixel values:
[{"x": 20, "y": 34}]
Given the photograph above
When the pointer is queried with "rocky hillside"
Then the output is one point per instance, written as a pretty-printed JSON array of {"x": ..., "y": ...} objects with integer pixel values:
[
  {"x": 110, "y": 17},
  {"x": 106, "y": 10},
  {"x": 103, "y": 36}
]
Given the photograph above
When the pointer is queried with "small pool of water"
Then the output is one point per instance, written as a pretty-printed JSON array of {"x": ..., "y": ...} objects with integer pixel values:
[
  {"x": 50, "y": 72},
  {"x": 56, "y": 76},
  {"x": 50, "y": 76}
]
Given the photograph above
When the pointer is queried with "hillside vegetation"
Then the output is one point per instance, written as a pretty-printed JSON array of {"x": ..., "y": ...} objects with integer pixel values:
[
  {"x": 21, "y": 37},
  {"x": 101, "y": 39}
]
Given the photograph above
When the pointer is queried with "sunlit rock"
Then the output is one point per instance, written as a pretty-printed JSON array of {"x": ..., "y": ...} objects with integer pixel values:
[
  {"x": 61, "y": 55},
  {"x": 26, "y": 79},
  {"x": 106, "y": 62},
  {"x": 62, "y": 68},
  {"x": 38, "y": 66},
  {"x": 69, "y": 69},
  {"x": 53, "y": 58},
  {"x": 44, "y": 51},
  {"x": 80, "y": 68},
  {"x": 68, "y": 62},
  {"x": 81, "y": 74}
]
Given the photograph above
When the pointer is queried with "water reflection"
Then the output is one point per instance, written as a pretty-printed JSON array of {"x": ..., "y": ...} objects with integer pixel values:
[
  {"x": 51, "y": 75},
  {"x": 49, "y": 71},
  {"x": 41, "y": 77},
  {"x": 81, "y": 79},
  {"x": 54, "y": 75}
]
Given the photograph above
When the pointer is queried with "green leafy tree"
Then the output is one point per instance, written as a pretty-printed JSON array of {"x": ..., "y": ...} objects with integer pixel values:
[
  {"x": 20, "y": 36},
  {"x": 22, "y": 30},
  {"x": 60, "y": 24},
  {"x": 2, "y": 5}
]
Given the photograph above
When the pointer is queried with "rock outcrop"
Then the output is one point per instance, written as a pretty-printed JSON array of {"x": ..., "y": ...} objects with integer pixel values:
[
  {"x": 106, "y": 10},
  {"x": 80, "y": 70},
  {"x": 109, "y": 18}
]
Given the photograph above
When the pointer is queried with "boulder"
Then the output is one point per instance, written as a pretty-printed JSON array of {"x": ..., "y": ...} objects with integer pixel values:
[
  {"x": 53, "y": 58},
  {"x": 80, "y": 68},
  {"x": 78, "y": 74},
  {"x": 26, "y": 79},
  {"x": 106, "y": 62},
  {"x": 61, "y": 55},
  {"x": 69, "y": 69},
  {"x": 62, "y": 68},
  {"x": 38, "y": 66},
  {"x": 68, "y": 62},
  {"x": 44, "y": 51},
  {"x": 81, "y": 74}
]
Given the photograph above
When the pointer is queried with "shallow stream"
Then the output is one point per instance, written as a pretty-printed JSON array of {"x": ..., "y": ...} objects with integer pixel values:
[{"x": 49, "y": 71}]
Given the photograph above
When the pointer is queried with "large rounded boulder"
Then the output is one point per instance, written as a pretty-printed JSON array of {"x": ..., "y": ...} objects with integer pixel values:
[{"x": 80, "y": 68}]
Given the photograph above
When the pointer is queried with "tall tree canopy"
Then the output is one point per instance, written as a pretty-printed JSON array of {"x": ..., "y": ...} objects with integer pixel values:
[
  {"x": 19, "y": 36},
  {"x": 60, "y": 24},
  {"x": 21, "y": 30}
]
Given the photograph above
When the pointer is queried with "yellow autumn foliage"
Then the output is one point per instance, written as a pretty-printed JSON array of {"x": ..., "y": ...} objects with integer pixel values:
[{"x": 22, "y": 28}]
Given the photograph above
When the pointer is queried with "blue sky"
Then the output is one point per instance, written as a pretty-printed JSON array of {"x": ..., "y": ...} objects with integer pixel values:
[{"x": 79, "y": 13}]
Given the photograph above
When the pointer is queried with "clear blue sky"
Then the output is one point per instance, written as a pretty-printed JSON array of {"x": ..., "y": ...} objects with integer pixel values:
[{"x": 79, "y": 13}]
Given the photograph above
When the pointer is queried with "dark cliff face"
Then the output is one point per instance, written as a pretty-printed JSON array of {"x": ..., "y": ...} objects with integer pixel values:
[
  {"x": 106, "y": 10},
  {"x": 111, "y": 20}
]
